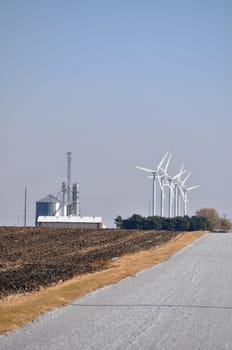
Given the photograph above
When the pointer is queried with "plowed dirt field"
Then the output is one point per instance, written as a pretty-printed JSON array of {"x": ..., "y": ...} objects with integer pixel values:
[{"x": 31, "y": 258}]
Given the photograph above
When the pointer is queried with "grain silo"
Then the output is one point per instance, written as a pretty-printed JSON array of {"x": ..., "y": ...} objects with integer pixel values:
[{"x": 47, "y": 206}]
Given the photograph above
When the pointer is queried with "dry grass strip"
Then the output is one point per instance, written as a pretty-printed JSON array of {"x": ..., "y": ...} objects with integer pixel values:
[{"x": 17, "y": 310}]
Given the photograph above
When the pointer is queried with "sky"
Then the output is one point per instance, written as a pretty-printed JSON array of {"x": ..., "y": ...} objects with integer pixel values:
[{"x": 118, "y": 84}]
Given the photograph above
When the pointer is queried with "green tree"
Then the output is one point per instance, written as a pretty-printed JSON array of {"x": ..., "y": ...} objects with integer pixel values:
[
  {"x": 136, "y": 222},
  {"x": 199, "y": 223},
  {"x": 182, "y": 223},
  {"x": 118, "y": 221},
  {"x": 169, "y": 224},
  {"x": 154, "y": 222}
]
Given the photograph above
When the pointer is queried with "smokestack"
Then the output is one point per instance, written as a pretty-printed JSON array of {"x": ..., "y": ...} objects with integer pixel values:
[
  {"x": 69, "y": 200},
  {"x": 76, "y": 199}
]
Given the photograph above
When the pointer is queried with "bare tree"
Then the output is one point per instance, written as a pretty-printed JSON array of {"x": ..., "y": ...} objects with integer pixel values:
[
  {"x": 212, "y": 215},
  {"x": 225, "y": 225}
]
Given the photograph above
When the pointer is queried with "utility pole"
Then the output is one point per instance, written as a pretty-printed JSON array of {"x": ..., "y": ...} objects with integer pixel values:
[{"x": 25, "y": 207}]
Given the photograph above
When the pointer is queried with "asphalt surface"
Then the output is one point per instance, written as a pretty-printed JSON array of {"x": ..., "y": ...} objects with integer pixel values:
[{"x": 183, "y": 303}]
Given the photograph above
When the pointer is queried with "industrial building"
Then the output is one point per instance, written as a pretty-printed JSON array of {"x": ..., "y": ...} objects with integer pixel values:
[
  {"x": 71, "y": 221},
  {"x": 63, "y": 210}
]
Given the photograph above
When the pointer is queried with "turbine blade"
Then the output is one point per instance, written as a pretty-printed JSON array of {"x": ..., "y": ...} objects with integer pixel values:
[
  {"x": 192, "y": 188},
  {"x": 183, "y": 182},
  {"x": 182, "y": 192},
  {"x": 159, "y": 182},
  {"x": 163, "y": 159},
  {"x": 167, "y": 164},
  {"x": 182, "y": 167},
  {"x": 179, "y": 174},
  {"x": 145, "y": 169}
]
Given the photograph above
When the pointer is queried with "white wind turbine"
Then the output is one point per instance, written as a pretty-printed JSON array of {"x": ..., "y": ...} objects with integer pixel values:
[
  {"x": 180, "y": 192},
  {"x": 176, "y": 190},
  {"x": 155, "y": 175},
  {"x": 185, "y": 195},
  {"x": 162, "y": 184},
  {"x": 171, "y": 185},
  {"x": 184, "y": 192}
]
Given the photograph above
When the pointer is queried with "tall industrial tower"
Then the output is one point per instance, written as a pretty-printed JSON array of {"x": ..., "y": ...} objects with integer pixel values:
[
  {"x": 76, "y": 199},
  {"x": 63, "y": 199},
  {"x": 69, "y": 195}
]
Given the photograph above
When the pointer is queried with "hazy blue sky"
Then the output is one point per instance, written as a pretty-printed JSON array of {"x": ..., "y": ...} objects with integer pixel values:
[{"x": 117, "y": 83}]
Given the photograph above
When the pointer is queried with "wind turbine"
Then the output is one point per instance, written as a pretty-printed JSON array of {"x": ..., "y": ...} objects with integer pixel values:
[
  {"x": 155, "y": 175},
  {"x": 181, "y": 186},
  {"x": 170, "y": 182},
  {"x": 176, "y": 183},
  {"x": 162, "y": 179},
  {"x": 171, "y": 185},
  {"x": 184, "y": 192}
]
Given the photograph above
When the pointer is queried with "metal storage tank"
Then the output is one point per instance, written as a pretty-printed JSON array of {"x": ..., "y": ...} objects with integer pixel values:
[{"x": 47, "y": 206}]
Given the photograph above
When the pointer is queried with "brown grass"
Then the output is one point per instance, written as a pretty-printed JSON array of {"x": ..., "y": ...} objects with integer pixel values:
[{"x": 17, "y": 310}]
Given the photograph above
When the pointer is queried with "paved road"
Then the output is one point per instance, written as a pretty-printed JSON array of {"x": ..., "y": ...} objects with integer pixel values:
[{"x": 182, "y": 304}]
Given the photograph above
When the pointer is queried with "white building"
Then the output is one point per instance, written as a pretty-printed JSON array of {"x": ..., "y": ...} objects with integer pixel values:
[{"x": 95, "y": 222}]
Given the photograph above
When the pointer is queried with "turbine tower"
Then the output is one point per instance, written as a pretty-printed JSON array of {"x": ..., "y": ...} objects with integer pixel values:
[
  {"x": 184, "y": 191},
  {"x": 161, "y": 181},
  {"x": 155, "y": 175},
  {"x": 181, "y": 187},
  {"x": 170, "y": 182},
  {"x": 177, "y": 191},
  {"x": 171, "y": 185}
]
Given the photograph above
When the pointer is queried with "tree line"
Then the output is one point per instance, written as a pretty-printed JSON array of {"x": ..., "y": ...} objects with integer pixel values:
[
  {"x": 179, "y": 223},
  {"x": 206, "y": 219}
]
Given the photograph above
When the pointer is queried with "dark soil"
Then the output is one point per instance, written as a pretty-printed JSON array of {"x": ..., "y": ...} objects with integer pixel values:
[{"x": 31, "y": 258}]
